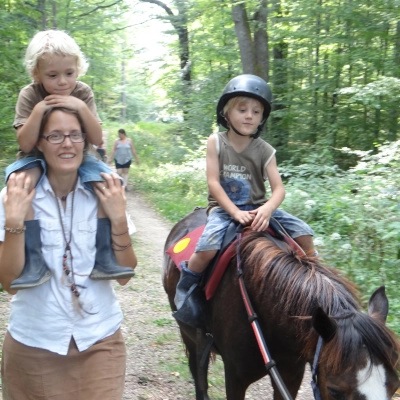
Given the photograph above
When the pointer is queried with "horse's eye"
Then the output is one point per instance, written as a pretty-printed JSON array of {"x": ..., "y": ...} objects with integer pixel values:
[{"x": 336, "y": 394}]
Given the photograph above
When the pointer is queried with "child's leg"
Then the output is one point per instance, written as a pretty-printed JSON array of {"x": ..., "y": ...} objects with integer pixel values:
[
  {"x": 189, "y": 299},
  {"x": 35, "y": 271},
  {"x": 32, "y": 165},
  {"x": 307, "y": 244},
  {"x": 297, "y": 229},
  {"x": 198, "y": 261},
  {"x": 106, "y": 266}
]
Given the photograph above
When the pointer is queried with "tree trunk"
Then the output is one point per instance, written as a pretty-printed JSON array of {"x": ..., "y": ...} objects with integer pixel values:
[
  {"x": 243, "y": 34},
  {"x": 261, "y": 47}
]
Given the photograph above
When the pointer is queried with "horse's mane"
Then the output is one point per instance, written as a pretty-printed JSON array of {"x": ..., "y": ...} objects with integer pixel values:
[{"x": 300, "y": 284}]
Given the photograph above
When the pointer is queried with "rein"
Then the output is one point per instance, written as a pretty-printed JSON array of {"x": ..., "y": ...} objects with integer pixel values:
[{"x": 270, "y": 364}]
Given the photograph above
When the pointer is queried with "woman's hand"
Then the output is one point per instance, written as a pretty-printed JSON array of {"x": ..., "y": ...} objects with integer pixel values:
[
  {"x": 112, "y": 197},
  {"x": 18, "y": 200}
]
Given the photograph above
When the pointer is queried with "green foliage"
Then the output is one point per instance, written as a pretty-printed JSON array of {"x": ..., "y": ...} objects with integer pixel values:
[{"x": 356, "y": 217}]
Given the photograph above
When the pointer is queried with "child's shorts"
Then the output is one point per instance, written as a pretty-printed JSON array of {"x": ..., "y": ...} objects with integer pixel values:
[{"x": 219, "y": 220}]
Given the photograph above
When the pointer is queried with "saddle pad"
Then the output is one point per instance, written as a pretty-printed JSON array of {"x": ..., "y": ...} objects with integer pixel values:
[{"x": 184, "y": 247}]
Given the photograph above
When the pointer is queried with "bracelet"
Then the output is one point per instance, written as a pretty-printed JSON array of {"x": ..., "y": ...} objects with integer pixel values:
[
  {"x": 119, "y": 247},
  {"x": 15, "y": 230},
  {"x": 119, "y": 234}
]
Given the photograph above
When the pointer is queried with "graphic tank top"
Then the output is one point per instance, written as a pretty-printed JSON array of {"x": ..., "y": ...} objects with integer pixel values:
[{"x": 243, "y": 175}]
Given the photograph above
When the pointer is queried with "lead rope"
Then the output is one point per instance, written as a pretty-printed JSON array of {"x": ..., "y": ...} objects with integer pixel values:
[{"x": 270, "y": 364}]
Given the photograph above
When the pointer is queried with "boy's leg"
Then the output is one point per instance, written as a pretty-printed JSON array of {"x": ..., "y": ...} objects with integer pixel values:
[
  {"x": 106, "y": 266},
  {"x": 307, "y": 244},
  {"x": 297, "y": 229},
  {"x": 189, "y": 298},
  {"x": 35, "y": 270},
  {"x": 36, "y": 167}
]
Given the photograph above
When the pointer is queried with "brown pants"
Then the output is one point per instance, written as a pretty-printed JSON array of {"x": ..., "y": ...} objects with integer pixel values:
[{"x": 29, "y": 373}]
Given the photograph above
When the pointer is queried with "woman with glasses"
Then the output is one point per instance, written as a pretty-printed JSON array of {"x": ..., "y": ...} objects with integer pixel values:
[{"x": 63, "y": 339}]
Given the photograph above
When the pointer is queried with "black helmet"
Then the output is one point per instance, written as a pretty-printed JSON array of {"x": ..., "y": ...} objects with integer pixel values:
[{"x": 245, "y": 85}]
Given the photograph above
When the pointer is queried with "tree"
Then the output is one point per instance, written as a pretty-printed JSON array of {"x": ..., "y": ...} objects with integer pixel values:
[{"x": 253, "y": 46}]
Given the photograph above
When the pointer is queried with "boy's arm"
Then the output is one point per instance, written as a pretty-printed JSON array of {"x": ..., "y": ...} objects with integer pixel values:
[
  {"x": 215, "y": 188},
  {"x": 28, "y": 134},
  {"x": 263, "y": 213},
  {"x": 93, "y": 129}
]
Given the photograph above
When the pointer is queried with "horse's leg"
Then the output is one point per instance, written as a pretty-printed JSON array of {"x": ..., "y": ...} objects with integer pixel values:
[
  {"x": 292, "y": 375},
  {"x": 199, "y": 372},
  {"x": 234, "y": 386}
]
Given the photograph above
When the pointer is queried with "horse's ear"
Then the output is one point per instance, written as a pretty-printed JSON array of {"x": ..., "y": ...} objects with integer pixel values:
[
  {"x": 324, "y": 325},
  {"x": 378, "y": 305}
]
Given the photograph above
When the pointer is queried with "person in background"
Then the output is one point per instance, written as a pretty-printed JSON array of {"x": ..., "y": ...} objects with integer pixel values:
[
  {"x": 63, "y": 338},
  {"x": 122, "y": 153},
  {"x": 238, "y": 162},
  {"x": 54, "y": 61}
]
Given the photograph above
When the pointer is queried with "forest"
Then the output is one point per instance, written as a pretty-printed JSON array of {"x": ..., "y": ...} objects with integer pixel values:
[{"x": 159, "y": 67}]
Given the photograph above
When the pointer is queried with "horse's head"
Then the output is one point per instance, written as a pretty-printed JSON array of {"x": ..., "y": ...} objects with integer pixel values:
[{"x": 359, "y": 359}]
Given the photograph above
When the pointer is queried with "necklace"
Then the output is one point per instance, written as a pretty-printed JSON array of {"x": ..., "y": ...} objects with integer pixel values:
[{"x": 69, "y": 270}]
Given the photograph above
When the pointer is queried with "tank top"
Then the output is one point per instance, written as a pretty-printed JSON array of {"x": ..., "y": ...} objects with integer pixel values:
[
  {"x": 243, "y": 175},
  {"x": 123, "y": 152}
]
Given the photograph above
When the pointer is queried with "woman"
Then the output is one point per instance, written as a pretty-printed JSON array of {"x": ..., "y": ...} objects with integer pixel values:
[
  {"x": 63, "y": 339},
  {"x": 122, "y": 153}
]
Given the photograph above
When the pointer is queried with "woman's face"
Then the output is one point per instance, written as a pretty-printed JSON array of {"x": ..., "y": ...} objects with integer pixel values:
[{"x": 66, "y": 157}]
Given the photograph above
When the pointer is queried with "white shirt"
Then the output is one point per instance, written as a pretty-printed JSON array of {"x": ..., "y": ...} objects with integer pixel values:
[{"x": 47, "y": 316}]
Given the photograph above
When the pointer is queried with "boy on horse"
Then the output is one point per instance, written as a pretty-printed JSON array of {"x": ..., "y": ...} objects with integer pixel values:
[{"x": 238, "y": 162}]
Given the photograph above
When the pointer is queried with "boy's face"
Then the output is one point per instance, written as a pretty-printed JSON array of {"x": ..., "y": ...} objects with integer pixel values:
[
  {"x": 246, "y": 115},
  {"x": 57, "y": 74}
]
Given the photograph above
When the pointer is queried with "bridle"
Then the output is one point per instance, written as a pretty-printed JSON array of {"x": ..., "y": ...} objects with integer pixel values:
[{"x": 314, "y": 370}]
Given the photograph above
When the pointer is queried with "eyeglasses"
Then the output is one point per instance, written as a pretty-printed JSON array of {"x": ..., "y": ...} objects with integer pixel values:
[{"x": 58, "y": 138}]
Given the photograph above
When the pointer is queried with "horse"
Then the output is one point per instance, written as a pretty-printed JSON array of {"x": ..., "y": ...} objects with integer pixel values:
[{"x": 298, "y": 302}]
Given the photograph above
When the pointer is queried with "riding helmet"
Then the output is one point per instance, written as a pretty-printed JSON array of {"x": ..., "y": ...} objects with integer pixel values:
[{"x": 245, "y": 85}]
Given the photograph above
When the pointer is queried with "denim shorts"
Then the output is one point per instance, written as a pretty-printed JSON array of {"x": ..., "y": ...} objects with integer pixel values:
[
  {"x": 219, "y": 220},
  {"x": 89, "y": 171}
]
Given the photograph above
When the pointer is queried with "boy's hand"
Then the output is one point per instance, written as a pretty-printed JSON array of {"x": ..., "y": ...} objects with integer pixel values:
[
  {"x": 261, "y": 216},
  {"x": 243, "y": 217},
  {"x": 71, "y": 102}
]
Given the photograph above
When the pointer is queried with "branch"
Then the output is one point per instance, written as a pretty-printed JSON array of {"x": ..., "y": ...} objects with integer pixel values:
[
  {"x": 99, "y": 8},
  {"x": 160, "y": 4}
]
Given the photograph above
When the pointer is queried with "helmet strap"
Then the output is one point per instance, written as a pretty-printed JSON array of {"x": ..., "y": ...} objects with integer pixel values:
[{"x": 254, "y": 135}]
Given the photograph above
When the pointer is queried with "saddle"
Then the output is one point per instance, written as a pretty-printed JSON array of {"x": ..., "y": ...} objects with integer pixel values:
[{"x": 184, "y": 247}]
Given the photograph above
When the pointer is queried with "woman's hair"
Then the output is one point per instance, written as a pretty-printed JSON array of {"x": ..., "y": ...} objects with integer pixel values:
[
  {"x": 50, "y": 111},
  {"x": 236, "y": 100},
  {"x": 122, "y": 131},
  {"x": 53, "y": 42}
]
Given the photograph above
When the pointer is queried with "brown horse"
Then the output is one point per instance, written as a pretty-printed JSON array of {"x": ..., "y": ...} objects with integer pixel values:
[{"x": 297, "y": 301}]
